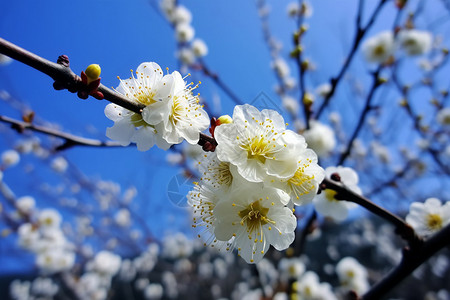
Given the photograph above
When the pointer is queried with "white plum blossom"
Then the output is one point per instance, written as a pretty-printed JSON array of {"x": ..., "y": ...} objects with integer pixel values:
[
  {"x": 28, "y": 236},
  {"x": 179, "y": 116},
  {"x": 153, "y": 291},
  {"x": 415, "y": 42},
  {"x": 148, "y": 87},
  {"x": 122, "y": 217},
  {"x": 290, "y": 104},
  {"x": 181, "y": 15},
  {"x": 59, "y": 164},
  {"x": 174, "y": 158},
  {"x": 203, "y": 200},
  {"x": 379, "y": 48},
  {"x": 168, "y": 7},
  {"x": 308, "y": 287},
  {"x": 259, "y": 144},
  {"x": 281, "y": 67},
  {"x": 10, "y": 158},
  {"x": 320, "y": 138},
  {"x": 429, "y": 217},
  {"x": 291, "y": 268},
  {"x": 443, "y": 116},
  {"x": 257, "y": 217},
  {"x": 352, "y": 275},
  {"x": 199, "y": 48},
  {"x": 304, "y": 184},
  {"x": 44, "y": 287},
  {"x": 186, "y": 56},
  {"x": 323, "y": 90},
  {"x": 218, "y": 174},
  {"x": 19, "y": 290},
  {"x": 92, "y": 285},
  {"x": 177, "y": 246},
  {"x": 49, "y": 218},
  {"x": 184, "y": 32},
  {"x": 5, "y": 60},
  {"x": 25, "y": 205},
  {"x": 106, "y": 263},
  {"x": 326, "y": 203},
  {"x": 171, "y": 112},
  {"x": 55, "y": 260},
  {"x": 381, "y": 152},
  {"x": 296, "y": 10}
]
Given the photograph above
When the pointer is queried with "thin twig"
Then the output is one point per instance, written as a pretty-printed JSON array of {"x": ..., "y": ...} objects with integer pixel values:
[
  {"x": 367, "y": 107},
  {"x": 301, "y": 67},
  {"x": 402, "y": 228},
  {"x": 360, "y": 32},
  {"x": 70, "y": 139},
  {"x": 219, "y": 82},
  {"x": 416, "y": 120},
  {"x": 308, "y": 229}
]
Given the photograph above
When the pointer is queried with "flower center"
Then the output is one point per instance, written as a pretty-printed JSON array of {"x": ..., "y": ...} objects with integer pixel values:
[
  {"x": 145, "y": 98},
  {"x": 434, "y": 222},
  {"x": 329, "y": 194},
  {"x": 258, "y": 148},
  {"x": 409, "y": 43},
  {"x": 379, "y": 50},
  {"x": 137, "y": 120},
  {"x": 224, "y": 176},
  {"x": 350, "y": 274},
  {"x": 178, "y": 110},
  {"x": 254, "y": 216},
  {"x": 300, "y": 183}
]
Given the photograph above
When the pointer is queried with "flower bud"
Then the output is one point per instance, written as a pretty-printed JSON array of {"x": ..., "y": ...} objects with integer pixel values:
[
  {"x": 93, "y": 72},
  {"x": 225, "y": 119}
]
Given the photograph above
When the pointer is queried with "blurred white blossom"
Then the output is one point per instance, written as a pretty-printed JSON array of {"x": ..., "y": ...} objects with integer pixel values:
[
  {"x": 429, "y": 217},
  {"x": 379, "y": 47},
  {"x": 415, "y": 42}
]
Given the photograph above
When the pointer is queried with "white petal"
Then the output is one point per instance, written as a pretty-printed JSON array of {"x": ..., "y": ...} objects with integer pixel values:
[
  {"x": 122, "y": 131},
  {"x": 115, "y": 112},
  {"x": 144, "y": 138},
  {"x": 157, "y": 112}
]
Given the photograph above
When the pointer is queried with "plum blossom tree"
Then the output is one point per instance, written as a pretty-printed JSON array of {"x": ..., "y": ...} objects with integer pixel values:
[{"x": 367, "y": 145}]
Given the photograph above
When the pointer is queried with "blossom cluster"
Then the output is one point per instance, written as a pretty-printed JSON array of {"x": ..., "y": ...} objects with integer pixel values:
[
  {"x": 43, "y": 236},
  {"x": 412, "y": 42},
  {"x": 171, "y": 113},
  {"x": 248, "y": 187},
  {"x": 180, "y": 17}
]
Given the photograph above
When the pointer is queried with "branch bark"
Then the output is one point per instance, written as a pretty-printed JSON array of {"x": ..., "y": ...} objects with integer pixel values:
[
  {"x": 64, "y": 77},
  {"x": 70, "y": 140},
  {"x": 412, "y": 258}
]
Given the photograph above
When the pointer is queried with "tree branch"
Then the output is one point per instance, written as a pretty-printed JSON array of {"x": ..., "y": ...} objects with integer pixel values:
[
  {"x": 402, "y": 228},
  {"x": 412, "y": 258},
  {"x": 65, "y": 78},
  {"x": 367, "y": 107},
  {"x": 70, "y": 139},
  {"x": 360, "y": 32}
]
